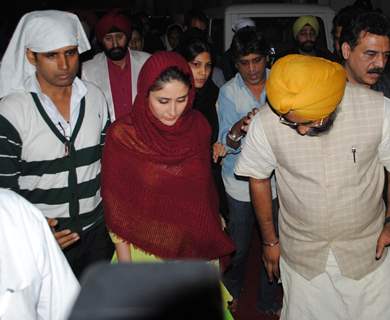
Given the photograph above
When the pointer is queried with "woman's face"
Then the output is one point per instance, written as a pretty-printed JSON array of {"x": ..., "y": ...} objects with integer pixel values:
[
  {"x": 136, "y": 42},
  {"x": 201, "y": 68},
  {"x": 168, "y": 103}
]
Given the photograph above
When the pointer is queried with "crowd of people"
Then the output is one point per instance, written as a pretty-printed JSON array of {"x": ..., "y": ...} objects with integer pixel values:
[{"x": 177, "y": 153}]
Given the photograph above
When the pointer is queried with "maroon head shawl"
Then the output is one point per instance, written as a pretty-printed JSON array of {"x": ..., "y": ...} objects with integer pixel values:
[{"x": 157, "y": 187}]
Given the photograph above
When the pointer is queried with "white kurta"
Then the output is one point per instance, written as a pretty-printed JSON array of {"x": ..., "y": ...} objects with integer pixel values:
[{"x": 36, "y": 281}]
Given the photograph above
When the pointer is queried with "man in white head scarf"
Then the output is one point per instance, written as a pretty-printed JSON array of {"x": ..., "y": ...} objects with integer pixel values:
[
  {"x": 52, "y": 128},
  {"x": 242, "y": 23}
]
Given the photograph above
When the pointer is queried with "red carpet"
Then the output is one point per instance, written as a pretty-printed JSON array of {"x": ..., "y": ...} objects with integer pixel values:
[{"x": 247, "y": 304}]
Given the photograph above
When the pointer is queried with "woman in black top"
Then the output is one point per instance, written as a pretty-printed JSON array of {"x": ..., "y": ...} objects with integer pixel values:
[{"x": 195, "y": 48}]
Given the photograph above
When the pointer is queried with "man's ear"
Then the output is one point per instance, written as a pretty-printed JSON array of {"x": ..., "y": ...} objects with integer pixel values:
[
  {"x": 31, "y": 57},
  {"x": 346, "y": 50}
]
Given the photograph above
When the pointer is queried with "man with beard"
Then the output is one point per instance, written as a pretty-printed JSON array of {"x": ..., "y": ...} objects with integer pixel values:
[
  {"x": 365, "y": 48},
  {"x": 328, "y": 142},
  {"x": 116, "y": 69},
  {"x": 52, "y": 129},
  {"x": 305, "y": 31}
]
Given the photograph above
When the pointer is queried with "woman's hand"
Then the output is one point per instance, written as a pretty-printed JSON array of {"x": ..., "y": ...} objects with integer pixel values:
[{"x": 123, "y": 251}]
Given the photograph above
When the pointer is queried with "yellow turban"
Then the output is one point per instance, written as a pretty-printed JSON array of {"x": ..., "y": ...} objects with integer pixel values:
[
  {"x": 312, "y": 87},
  {"x": 304, "y": 20}
]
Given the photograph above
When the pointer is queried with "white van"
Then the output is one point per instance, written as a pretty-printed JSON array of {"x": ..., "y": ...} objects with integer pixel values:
[{"x": 274, "y": 20}]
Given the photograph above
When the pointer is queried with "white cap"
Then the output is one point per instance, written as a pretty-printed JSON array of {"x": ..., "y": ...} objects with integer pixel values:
[
  {"x": 243, "y": 22},
  {"x": 40, "y": 31}
]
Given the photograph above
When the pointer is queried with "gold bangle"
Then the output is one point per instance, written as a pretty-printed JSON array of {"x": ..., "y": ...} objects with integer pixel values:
[{"x": 271, "y": 244}]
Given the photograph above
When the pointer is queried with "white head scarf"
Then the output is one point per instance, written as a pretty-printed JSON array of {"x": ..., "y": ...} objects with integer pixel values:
[
  {"x": 40, "y": 31},
  {"x": 242, "y": 23}
]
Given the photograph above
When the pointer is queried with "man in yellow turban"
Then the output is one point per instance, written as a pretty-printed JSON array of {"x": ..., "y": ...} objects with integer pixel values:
[
  {"x": 306, "y": 31},
  {"x": 312, "y": 97},
  {"x": 330, "y": 171}
]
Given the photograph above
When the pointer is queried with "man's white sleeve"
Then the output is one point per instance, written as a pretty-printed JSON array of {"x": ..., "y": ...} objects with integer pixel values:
[
  {"x": 256, "y": 159},
  {"x": 59, "y": 285}
]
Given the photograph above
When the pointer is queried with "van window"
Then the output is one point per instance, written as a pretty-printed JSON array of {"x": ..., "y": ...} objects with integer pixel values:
[{"x": 278, "y": 32}]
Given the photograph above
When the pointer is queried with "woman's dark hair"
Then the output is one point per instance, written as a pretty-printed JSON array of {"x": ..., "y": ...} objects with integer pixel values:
[
  {"x": 371, "y": 22},
  {"x": 138, "y": 28},
  {"x": 195, "y": 14},
  {"x": 174, "y": 27},
  {"x": 193, "y": 43},
  {"x": 172, "y": 73},
  {"x": 248, "y": 41}
]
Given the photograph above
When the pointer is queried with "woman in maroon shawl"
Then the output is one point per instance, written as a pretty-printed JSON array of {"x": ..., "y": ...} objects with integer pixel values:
[{"x": 158, "y": 191}]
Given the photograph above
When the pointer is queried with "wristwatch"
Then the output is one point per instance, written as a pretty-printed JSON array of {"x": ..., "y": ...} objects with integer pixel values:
[{"x": 234, "y": 137}]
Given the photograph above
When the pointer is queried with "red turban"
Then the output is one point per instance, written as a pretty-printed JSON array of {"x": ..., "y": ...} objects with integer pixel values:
[{"x": 112, "y": 20}]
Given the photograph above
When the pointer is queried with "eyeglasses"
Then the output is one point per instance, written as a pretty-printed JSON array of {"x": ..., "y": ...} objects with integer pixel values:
[
  {"x": 67, "y": 142},
  {"x": 294, "y": 125}
]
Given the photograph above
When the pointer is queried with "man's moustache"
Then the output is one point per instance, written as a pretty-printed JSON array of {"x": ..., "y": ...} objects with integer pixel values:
[
  {"x": 116, "y": 50},
  {"x": 376, "y": 70},
  {"x": 307, "y": 45}
]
